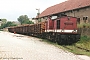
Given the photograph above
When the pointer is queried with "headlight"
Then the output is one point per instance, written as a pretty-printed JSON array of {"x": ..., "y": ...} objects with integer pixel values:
[
  {"x": 62, "y": 30},
  {"x": 74, "y": 31}
]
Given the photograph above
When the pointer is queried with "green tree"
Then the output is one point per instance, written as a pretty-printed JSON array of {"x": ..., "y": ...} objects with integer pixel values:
[
  {"x": 8, "y": 24},
  {"x": 23, "y": 19},
  {"x": 4, "y": 20}
]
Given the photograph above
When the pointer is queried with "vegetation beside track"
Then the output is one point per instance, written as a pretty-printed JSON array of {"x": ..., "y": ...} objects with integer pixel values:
[{"x": 82, "y": 47}]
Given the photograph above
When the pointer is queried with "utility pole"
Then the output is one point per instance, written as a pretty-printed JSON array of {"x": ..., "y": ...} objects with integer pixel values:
[{"x": 38, "y": 14}]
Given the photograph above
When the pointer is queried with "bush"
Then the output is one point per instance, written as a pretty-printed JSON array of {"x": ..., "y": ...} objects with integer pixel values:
[
  {"x": 84, "y": 39},
  {"x": 87, "y": 25}
]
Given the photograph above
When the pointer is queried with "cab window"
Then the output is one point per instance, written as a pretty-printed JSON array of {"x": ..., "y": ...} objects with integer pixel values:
[{"x": 58, "y": 24}]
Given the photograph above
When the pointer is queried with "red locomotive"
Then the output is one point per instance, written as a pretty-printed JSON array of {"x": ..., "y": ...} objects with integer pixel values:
[{"x": 62, "y": 30}]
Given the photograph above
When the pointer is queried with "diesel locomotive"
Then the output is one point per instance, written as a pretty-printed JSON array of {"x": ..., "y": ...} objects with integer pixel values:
[{"x": 62, "y": 30}]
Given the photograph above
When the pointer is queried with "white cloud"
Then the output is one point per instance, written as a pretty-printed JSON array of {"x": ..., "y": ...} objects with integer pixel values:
[{"x": 12, "y": 9}]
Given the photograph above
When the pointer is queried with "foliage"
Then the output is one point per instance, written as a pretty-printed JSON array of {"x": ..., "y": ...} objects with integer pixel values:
[
  {"x": 83, "y": 25},
  {"x": 30, "y": 22},
  {"x": 3, "y": 20},
  {"x": 23, "y": 19},
  {"x": 8, "y": 24},
  {"x": 83, "y": 44},
  {"x": 84, "y": 39}
]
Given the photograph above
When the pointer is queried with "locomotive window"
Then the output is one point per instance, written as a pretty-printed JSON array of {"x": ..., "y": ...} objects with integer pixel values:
[{"x": 58, "y": 24}]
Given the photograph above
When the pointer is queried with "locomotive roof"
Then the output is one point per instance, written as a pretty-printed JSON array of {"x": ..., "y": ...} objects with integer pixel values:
[{"x": 65, "y": 6}]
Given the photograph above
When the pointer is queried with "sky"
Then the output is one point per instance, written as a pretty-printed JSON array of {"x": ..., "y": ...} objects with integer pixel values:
[{"x": 12, "y": 9}]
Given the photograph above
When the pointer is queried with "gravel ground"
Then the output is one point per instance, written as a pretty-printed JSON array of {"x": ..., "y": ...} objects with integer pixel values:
[{"x": 20, "y": 47}]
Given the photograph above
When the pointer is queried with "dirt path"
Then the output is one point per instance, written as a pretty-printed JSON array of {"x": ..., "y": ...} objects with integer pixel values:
[{"x": 20, "y": 47}]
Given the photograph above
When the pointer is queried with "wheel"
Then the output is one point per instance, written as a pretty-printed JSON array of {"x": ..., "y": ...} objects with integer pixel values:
[{"x": 58, "y": 39}]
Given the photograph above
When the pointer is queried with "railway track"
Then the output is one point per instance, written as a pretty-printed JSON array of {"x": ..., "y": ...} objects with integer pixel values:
[
  {"x": 78, "y": 47},
  {"x": 87, "y": 50}
]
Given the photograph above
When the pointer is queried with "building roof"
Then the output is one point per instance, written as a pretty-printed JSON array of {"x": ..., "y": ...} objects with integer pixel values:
[{"x": 65, "y": 6}]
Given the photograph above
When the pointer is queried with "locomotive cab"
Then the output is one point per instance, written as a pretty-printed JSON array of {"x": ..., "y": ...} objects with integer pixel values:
[
  {"x": 62, "y": 30},
  {"x": 62, "y": 25},
  {"x": 68, "y": 25}
]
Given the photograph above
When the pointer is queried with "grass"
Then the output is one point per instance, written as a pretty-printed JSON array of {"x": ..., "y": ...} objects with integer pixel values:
[
  {"x": 77, "y": 51},
  {"x": 83, "y": 43}
]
